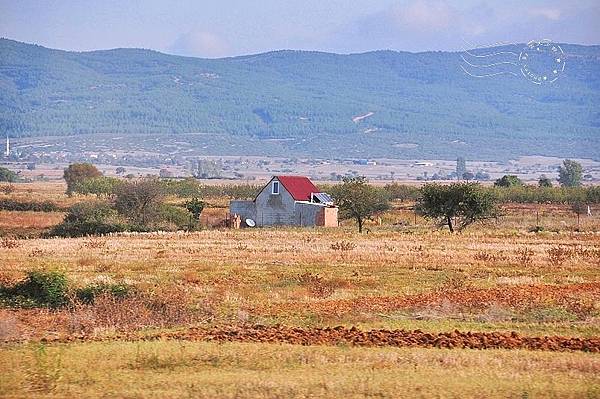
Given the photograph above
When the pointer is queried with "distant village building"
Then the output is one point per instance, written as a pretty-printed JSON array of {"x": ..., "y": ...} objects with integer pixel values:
[{"x": 287, "y": 201}]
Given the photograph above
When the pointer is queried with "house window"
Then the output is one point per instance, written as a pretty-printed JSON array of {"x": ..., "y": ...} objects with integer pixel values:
[{"x": 275, "y": 190}]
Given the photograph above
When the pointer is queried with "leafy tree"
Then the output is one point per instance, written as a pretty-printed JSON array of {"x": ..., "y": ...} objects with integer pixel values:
[
  {"x": 460, "y": 203},
  {"x": 140, "y": 200},
  {"x": 120, "y": 170},
  {"x": 7, "y": 175},
  {"x": 569, "y": 174},
  {"x": 195, "y": 206},
  {"x": 402, "y": 192},
  {"x": 544, "y": 181},
  {"x": 508, "y": 181},
  {"x": 358, "y": 200},
  {"x": 78, "y": 172},
  {"x": 593, "y": 194},
  {"x": 100, "y": 186}
]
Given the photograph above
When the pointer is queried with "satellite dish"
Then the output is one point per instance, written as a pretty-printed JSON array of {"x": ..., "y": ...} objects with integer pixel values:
[{"x": 250, "y": 223}]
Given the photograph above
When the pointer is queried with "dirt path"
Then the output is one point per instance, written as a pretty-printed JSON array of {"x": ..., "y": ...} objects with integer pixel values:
[{"x": 354, "y": 337}]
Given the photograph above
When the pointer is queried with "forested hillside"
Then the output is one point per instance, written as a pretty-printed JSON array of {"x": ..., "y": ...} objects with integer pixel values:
[{"x": 377, "y": 104}]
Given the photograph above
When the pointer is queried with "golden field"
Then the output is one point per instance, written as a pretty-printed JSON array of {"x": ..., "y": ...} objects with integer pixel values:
[{"x": 259, "y": 370}]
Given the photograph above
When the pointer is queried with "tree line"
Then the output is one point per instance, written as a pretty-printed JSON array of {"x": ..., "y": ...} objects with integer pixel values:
[
  {"x": 122, "y": 205},
  {"x": 457, "y": 205},
  {"x": 140, "y": 204}
]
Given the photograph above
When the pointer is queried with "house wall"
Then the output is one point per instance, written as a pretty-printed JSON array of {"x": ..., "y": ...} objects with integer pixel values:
[
  {"x": 275, "y": 209},
  {"x": 330, "y": 217},
  {"x": 246, "y": 209},
  {"x": 307, "y": 214}
]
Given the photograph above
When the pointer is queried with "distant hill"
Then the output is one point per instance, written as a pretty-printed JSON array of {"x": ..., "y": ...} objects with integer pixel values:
[{"x": 376, "y": 104}]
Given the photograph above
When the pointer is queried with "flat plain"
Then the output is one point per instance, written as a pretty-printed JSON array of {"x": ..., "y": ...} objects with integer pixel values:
[{"x": 300, "y": 312}]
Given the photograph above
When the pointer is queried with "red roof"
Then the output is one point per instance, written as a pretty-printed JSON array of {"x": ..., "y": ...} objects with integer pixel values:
[{"x": 300, "y": 187}]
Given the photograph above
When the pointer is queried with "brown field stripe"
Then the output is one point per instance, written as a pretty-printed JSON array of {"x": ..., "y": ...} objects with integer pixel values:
[
  {"x": 514, "y": 296},
  {"x": 355, "y": 337}
]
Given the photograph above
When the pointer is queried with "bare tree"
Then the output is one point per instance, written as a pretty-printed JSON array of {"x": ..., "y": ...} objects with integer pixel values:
[{"x": 140, "y": 200}]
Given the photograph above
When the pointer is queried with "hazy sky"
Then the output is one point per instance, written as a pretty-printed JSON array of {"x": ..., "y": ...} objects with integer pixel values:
[{"x": 235, "y": 27}]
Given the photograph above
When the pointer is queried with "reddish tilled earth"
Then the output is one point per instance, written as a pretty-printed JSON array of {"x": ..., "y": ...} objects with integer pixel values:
[{"x": 355, "y": 337}]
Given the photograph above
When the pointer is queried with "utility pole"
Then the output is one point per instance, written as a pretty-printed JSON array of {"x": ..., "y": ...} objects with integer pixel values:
[{"x": 7, "y": 153}]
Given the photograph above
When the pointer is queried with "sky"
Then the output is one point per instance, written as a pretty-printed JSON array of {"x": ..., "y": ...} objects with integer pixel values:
[{"x": 212, "y": 29}]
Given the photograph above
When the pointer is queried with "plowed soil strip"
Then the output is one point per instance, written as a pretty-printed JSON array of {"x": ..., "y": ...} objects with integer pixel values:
[
  {"x": 518, "y": 297},
  {"x": 355, "y": 337}
]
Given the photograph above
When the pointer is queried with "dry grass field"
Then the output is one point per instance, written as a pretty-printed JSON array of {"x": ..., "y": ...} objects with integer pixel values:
[
  {"x": 499, "y": 279},
  {"x": 259, "y": 370}
]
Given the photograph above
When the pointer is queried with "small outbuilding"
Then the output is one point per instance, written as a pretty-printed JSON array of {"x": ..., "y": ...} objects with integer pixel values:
[{"x": 287, "y": 201}]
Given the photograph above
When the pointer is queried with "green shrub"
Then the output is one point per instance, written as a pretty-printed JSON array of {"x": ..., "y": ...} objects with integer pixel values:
[
  {"x": 7, "y": 175},
  {"x": 554, "y": 195},
  {"x": 100, "y": 186},
  {"x": 51, "y": 289},
  {"x": 182, "y": 188},
  {"x": 593, "y": 194},
  {"x": 39, "y": 289},
  {"x": 97, "y": 218},
  {"x": 139, "y": 201},
  {"x": 174, "y": 216},
  {"x": 195, "y": 206},
  {"x": 190, "y": 188},
  {"x": 23, "y": 206},
  {"x": 89, "y": 293},
  {"x": 508, "y": 181},
  {"x": 89, "y": 218}
]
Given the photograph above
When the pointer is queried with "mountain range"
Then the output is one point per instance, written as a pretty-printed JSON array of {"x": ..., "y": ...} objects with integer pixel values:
[{"x": 380, "y": 104}]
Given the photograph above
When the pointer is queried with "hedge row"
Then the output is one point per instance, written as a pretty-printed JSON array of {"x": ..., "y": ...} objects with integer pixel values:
[{"x": 34, "y": 206}]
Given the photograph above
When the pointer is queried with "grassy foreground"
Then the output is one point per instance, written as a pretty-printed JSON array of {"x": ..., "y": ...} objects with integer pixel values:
[{"x": 239, "y": 370}]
